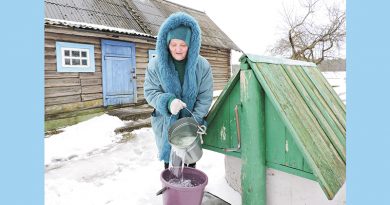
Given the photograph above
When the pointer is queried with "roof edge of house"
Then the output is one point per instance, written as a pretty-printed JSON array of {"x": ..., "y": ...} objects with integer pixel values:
[{"x": 84, "y": 25}]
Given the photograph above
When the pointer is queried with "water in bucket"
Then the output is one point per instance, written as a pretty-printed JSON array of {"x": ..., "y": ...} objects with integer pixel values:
[
  {"x": 181, "y": 182},
  {"x": 180, "y": 194}
]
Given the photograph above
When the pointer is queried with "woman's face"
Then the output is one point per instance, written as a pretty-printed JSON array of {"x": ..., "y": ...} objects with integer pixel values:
[{"x": 178, "y": 49}]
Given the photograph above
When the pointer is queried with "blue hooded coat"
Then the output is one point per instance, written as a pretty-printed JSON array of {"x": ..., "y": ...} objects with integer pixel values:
[{"x": 162, "y": 82}]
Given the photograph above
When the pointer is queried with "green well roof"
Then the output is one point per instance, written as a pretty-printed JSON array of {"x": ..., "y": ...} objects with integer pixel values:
[{"x": 312, "y": 112}]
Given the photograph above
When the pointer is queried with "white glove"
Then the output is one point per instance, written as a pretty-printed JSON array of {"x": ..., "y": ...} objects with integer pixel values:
[{"x": 176, "y": 106}]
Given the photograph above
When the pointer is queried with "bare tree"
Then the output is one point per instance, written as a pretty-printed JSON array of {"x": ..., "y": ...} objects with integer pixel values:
[{"x": 309, "y": 40}]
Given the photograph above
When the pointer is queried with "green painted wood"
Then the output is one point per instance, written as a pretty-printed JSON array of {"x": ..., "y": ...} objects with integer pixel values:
[
  {"x": 220, "y": 100},
  {"x": 330, "y": 116},
  {"x": 316, "y": 74},
  {"x": 317, "y": 108},
  {"x": 306, "y": 167},
  {"x": 304, "y": 116},
  {"x": 275, "y": 133},
  {"x": 296, "y": 172},
  {"x": 221, "y": 131},
  {"x": 328, "y": 113},
  {"x": 294, "y": 157},
  {"x": 218, "y": 131},
  {"x": 221, "y": 150},
  {"x": 329, "y": 94},
  {"x": 234, "y": 100},
  {"x": 322, "y": 157},
  {"x": 253, "y": 170},
  {"x": 276, "y": 137},
  {"x": 330, "y": 100}
]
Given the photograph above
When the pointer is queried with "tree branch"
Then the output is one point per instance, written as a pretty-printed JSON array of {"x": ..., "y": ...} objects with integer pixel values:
[{"x": 310, "y": 41}]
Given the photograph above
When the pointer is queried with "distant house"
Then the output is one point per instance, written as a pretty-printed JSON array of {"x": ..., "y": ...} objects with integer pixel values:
[{"x": 96, "y": 53}]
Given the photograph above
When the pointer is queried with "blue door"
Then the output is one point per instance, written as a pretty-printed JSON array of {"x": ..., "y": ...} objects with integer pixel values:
[{"x": 118, "y": 70}]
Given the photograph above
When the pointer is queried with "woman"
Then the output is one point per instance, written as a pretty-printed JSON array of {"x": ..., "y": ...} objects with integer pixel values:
[{"x": 177, "y": 78}]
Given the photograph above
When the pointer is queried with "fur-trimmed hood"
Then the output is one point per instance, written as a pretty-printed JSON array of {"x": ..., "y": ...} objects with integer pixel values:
[{"x": 188, "y": 91}]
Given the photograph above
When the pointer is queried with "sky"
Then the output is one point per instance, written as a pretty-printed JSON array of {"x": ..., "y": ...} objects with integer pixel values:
[{"x": 254, "y": 25}]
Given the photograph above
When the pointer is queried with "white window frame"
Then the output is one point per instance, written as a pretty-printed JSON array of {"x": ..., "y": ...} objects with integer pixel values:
[{"x": 61, "y": 47}]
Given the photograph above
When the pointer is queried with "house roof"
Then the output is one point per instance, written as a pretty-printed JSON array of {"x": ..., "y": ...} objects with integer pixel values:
[
  {"x": 311, "y": 110},
  {"x": 139, "y": 17}
]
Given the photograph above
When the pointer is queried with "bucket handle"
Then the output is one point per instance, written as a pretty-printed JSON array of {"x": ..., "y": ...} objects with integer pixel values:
[
  {"x": 162, "y": 190},
  {"x": 238, "y": 133},
  {"x": 201, "y": 128},
  {"x": 192, "y": 115}
]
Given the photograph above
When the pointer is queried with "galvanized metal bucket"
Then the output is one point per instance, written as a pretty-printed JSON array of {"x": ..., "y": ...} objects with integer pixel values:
[{"x": 186, "y": 128}]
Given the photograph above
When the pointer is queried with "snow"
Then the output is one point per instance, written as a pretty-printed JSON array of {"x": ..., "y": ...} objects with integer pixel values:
[
  {"x": 88, "y": 163},
  {"x": 337, "y": 79},
  {"x": 278, "y": 60},
  {"x": 94, "y": 26},
  {"x": 76, "y": 141},
  {"x": 216, "y": 93}
]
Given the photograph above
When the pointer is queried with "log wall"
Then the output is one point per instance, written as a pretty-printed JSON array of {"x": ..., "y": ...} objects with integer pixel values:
[{"x": 74, "y": 91}]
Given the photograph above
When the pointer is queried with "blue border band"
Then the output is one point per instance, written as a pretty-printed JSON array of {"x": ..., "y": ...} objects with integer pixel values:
[
  {"x": 22, "y": 109},
  {"x": 368, "y": 102},
  {"x": 22, "y": 85}
]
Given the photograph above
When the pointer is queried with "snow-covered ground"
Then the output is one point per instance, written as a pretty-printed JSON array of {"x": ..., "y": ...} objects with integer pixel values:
[
  {"x": 89, "y": 164},
  {"x": 337, "y": 80}
]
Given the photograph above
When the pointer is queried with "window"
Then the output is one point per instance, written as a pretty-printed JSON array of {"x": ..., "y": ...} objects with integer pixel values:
[
  {"x": 75, "y": 57},
  {"x": 72, "y": 57}
]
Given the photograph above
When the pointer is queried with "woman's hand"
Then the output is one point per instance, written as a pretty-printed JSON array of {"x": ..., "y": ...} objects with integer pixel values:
[{"x": 176, "y": 106}]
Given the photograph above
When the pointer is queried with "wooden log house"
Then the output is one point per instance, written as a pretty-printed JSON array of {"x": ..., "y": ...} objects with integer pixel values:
[{"x": 96, "y": 54}]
